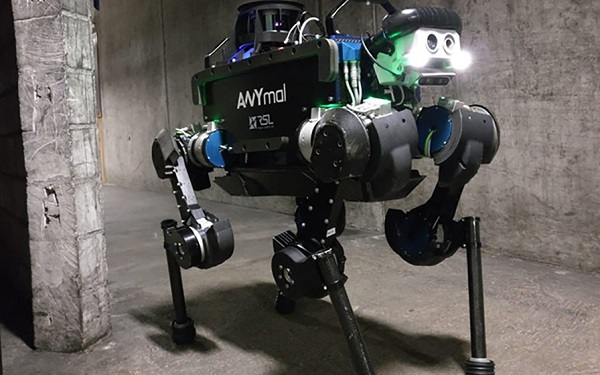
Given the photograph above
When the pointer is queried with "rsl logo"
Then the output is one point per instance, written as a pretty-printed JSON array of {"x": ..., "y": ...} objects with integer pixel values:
[
  {"x": 253, "y": 122},
  {"x": 259, "y": 97},
  {"x": 260, "y": 122}
]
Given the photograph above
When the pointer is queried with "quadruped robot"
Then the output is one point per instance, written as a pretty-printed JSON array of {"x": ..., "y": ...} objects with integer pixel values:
[{"x": 296, "y": 108}]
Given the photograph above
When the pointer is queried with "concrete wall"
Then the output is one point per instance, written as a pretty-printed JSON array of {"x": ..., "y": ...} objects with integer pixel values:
[
  {"x": 534, "y": 66},
  {"x": 53, "y": 248},
  {"x": 540, "y": 197}
]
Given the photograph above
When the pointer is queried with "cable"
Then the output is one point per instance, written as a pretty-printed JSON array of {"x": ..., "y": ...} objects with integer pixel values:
[
  {"x": 347, "y": 80},
  {"x": 403, "y": 95},
  {"x": 314, "y": 19},
  {"x": 362, "y": 40},
  {"x": 295, "y": 27},
  {"x": 350, "y": 92},
  {"x": 354, "y": 80},
  {"x": 360, "y": 88},
  {"x": 287, "y": 38}
]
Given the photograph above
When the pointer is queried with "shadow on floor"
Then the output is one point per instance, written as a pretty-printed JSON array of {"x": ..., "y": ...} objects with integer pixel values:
[{"x": 307, "y": 341}]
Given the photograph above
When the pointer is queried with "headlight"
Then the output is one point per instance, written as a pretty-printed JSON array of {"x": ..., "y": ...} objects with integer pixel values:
[{"x": 461, "y": 60}]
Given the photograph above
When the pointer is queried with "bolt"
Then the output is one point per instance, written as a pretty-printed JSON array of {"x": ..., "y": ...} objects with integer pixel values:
[
  {"x": 322, "y": 242},
  {"x": 337, "y": 182},
  {"x": 287, "y": 286},
  {"x": 310, "y": 208},
  {"x": 280, "y": 277},
  {"x": 303, "y": 225},
  {"x": 331, "y": 201},
  {"x": 174, "y": 191},
  {"x": 326, "y": 221},
  {"x": 280, "y": 267},
  {"x": 330, "y": 98},
  {"x": 316, "y": 190}
]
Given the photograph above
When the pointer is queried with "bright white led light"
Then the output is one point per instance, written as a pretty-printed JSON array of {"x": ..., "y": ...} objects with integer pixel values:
[
  {"x": 461, "y": 60},
  {"x": 417, "y": 59}
]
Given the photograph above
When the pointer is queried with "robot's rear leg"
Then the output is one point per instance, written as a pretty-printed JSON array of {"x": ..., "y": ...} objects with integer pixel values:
[
  {"x": 182, "y": 328},
  {"x": 311, "y": 265},
  {"x": 202, "y": 240}
]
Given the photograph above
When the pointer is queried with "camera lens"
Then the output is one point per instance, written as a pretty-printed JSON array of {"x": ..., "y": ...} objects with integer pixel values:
[
  {"x": 449, "y": 44},
  {"x": 432, "y": 42}
]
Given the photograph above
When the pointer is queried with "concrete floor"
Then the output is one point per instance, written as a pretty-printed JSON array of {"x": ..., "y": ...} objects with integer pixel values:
[{"x": 540, "y": 319}]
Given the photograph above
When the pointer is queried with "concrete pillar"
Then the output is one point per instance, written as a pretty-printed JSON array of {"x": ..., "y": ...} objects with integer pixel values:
[
  {"x": 64, "y": 208},
  {"x": 15, "y": 261}
]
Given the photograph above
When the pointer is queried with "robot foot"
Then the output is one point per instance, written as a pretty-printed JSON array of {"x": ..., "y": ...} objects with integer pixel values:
[
  {"x": 183, "y": 333},
  {"x": 284, "y": 305}
]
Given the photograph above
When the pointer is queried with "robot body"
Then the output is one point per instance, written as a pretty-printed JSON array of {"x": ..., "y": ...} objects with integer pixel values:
[{"x": 326, "y": 118}]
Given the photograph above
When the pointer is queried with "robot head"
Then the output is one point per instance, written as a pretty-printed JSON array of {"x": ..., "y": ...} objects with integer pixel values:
[{"x": 420, "y": 46}]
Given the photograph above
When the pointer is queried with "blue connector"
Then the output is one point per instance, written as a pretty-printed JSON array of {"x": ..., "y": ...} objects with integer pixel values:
[{"x": 349, "y": 46}]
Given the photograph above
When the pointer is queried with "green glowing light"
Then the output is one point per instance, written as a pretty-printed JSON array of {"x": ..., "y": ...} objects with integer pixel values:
[{"x": 330, "y": 106}]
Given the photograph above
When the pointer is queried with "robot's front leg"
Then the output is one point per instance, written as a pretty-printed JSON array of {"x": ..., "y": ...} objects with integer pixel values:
[
  {"x": 201, "y": 241},
  {"x": 459, "y": 138},
  {"x": 479, "y": 363},
  {"x": 311, "y": 264}
]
